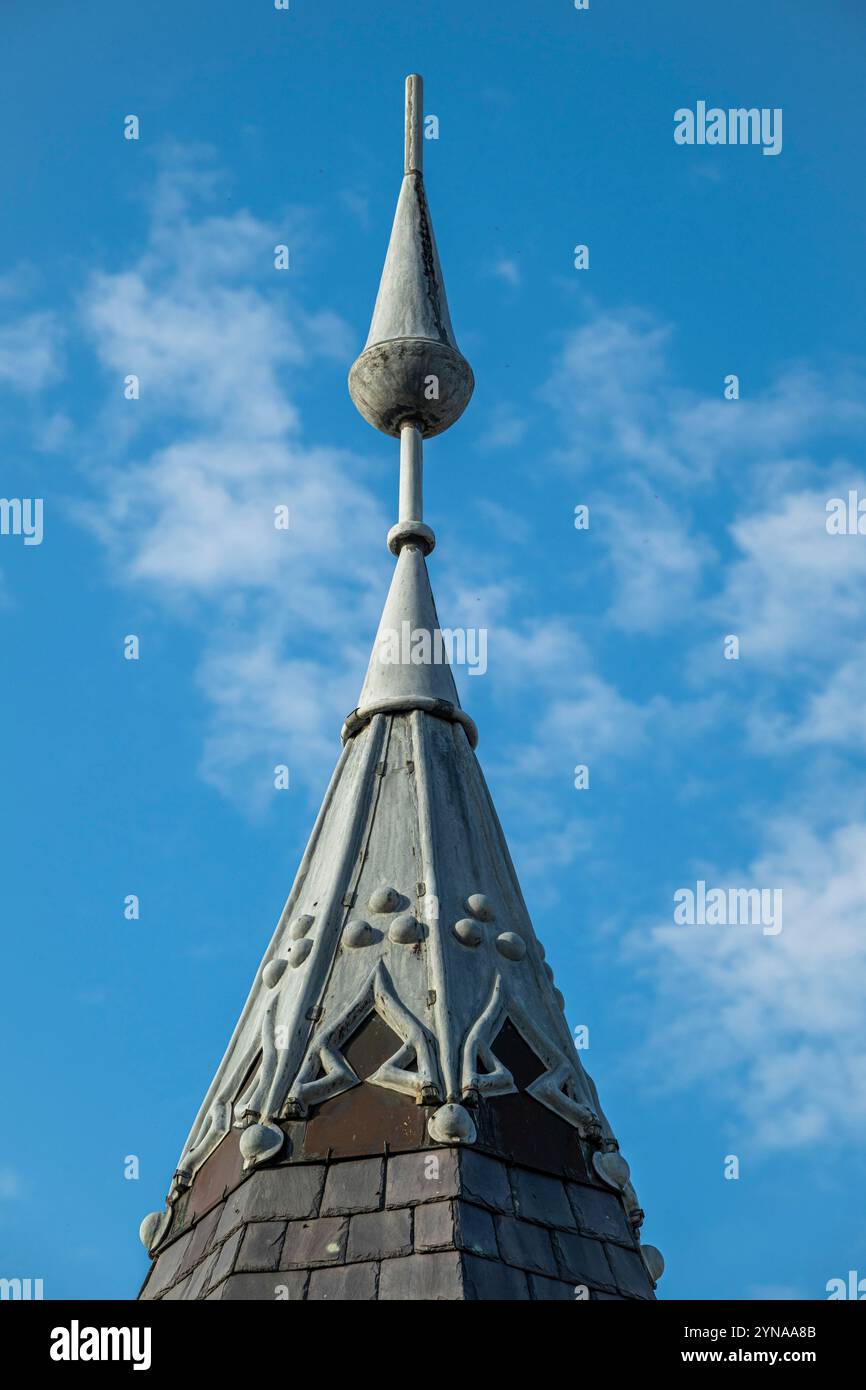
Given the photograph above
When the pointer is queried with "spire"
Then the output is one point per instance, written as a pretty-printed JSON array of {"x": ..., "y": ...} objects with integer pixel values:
[
  {"x": 401, "y": 1112},
  {"x": 411, "y": 380},
  {"x": 411, "y": 302}
]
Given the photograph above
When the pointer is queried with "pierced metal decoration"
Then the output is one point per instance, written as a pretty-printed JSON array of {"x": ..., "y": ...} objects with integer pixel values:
[{"x": 325, "y": 1053}]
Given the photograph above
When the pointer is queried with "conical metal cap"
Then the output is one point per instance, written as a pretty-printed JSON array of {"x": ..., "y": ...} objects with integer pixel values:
[
  {"x": 409, "y": 667},
  {"x": 411, "y": 302},
  {"x": 409, "y": 659}
]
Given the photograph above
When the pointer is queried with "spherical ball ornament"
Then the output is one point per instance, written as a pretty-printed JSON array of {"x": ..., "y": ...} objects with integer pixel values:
[
  {"x": 384, "y": 900},
  {"x": 258, "y": 1143},
  {"x": 390, "y": 384},
  {"x": 632, "y": 1205},
  {"x": 654, "y": 1261},
  {"x": 406, "y": 930},
  {"x": 452, "y": 1124},
  {"x": 510, "y": 945},
  {"x": 611, "y": 1168},
  {"x": 468, "y": 932},
  {"x": 274, "y": 972},
  {"x": 301, "y": 926},
  {"x": 357, "y": 933},
  {"x": 300, "y": 951},
  {"x": 480, "y": 906},
  {"x": 153, "y": 1228}
]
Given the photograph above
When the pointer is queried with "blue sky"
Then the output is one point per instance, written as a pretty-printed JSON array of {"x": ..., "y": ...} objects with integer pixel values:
[{"x": 602, "y": 387}]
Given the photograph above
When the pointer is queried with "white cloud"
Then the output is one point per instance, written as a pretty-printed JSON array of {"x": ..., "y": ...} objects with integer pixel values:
[
  {"x": 30, "y": 352},
  {"x": 668, "y": 469},
  {"x": 837, "y": 713},
  {"x": 358, "y": 205},
  {"x": 712, "y": 515},
  {"x": 506, "y": 268},
  {"x": 510, "y": 525},
  {"x": 209, "y": 508},
  {"x": 505, "y": 430},
  {"x": 793, "y": 593},
  {"x": 219, "y": 344},
  {"x": 192, "y": 345},
  {"x": 794, "y": 596},
  {"x": 591, "y": 723},
  {"x": 608, "y": 388},
  {"x": 658, "y": 565},
  {"x": 614, "y": 391},
  {"x": 775, "y": 1023},
  {"x": 544, "y": 847},
  {"x": 270, "y": 709}
]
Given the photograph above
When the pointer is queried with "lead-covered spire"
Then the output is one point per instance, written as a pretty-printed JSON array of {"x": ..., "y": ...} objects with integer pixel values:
[{"x": 401, "y": 1112}]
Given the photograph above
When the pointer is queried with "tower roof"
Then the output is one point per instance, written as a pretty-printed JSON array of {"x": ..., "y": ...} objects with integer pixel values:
[{"x": 401, "y": 1110}]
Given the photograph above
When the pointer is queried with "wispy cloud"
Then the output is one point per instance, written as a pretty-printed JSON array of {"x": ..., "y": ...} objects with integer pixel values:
[
  {"x": 219, "y": 349},
  {"x": 11, "y": 1184},
  {"x": 504, "y": 430},
  {"x": 358, "y": 205},
  {"x": 775, "y": 1021},
  {"x": 791, "y": 590},
  {"x": 712, "y": 521},
  {"x": 507, "y": 269},
  {"x": 31, "y": 352},
  {"x": 614, "y": 390},
  {"x": 510, "y": 525}
]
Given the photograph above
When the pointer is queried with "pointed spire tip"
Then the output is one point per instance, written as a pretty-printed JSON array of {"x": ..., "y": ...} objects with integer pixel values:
[
  {"x": 414, "y": 162},
  {"x": 411, "y": 370}
]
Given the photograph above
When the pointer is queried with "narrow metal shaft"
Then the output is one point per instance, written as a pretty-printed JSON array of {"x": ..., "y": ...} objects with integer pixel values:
[{"x": 411, "y": 474}]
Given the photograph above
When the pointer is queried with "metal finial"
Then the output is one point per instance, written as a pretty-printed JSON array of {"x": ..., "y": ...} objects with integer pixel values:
[
  {"x": 414, "y": 124},
  {"x": 411, "y": 381}
]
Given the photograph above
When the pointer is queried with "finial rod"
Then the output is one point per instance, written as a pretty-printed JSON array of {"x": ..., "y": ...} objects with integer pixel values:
[
  {"x": 411, "y": 474},
  {"x": 414, "y": 121}
]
